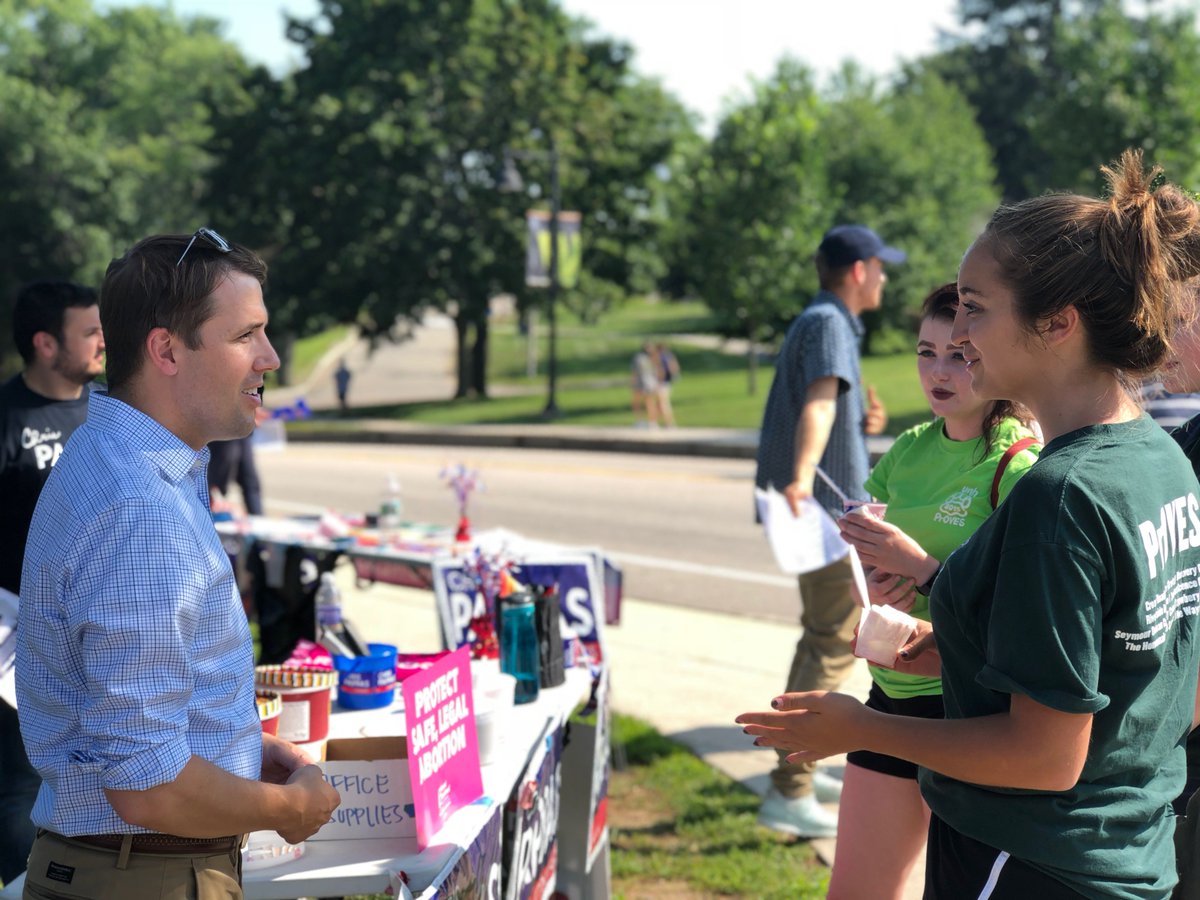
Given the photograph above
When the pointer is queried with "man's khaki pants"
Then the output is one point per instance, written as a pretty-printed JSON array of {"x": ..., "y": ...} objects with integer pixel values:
[
  {"x": 823, "y": 658},
  {"x": 61, "y": 869}
]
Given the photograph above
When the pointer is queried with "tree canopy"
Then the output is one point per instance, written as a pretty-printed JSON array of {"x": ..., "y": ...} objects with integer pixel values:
[
  {"x": 369, "y": 177},
  {"x": 1062, "y": 87},
  {"x": 106, "y": 118},
  {"x": 395, "y": 134},
  {"x": 792, "y": 161}
]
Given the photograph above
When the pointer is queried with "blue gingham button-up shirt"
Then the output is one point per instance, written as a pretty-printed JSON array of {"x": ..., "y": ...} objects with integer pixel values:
[{"x": 133, "y": 651}]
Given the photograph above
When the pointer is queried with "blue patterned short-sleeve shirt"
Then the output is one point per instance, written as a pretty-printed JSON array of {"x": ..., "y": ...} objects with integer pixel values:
[
  {"x": 823, "y": 341},
  {"x": 133, "y": 651}
]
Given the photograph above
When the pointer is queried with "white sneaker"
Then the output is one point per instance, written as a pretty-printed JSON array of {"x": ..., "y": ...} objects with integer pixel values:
[
  {"x": 827, "y": 786},
  {"x": 802, "y": 817}
]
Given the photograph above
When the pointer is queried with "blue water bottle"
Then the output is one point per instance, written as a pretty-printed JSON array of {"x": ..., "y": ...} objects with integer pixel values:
[{"x": 519, "y": 645}]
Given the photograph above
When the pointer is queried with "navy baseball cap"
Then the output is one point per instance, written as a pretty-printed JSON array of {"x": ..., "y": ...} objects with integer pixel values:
[{"x": 847, "y": 244}]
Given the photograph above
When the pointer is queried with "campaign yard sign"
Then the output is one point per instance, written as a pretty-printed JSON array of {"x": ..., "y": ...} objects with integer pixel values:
[
  {"x": 443, "y": 750},
  {"x": 531, "y": 824},
  {"x": 476, "y": 873},
  {"x": 583, "y": 817},
  {"x": 581, "y": 598}
]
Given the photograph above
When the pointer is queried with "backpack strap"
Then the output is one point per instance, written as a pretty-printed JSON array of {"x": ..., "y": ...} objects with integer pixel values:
[{"x": 1012, "y": 451}]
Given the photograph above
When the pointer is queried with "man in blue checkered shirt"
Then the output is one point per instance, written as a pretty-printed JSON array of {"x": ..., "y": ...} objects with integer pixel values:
[
  {"x": 816, "y": 415},
  {"x": 135, "y": 671}
]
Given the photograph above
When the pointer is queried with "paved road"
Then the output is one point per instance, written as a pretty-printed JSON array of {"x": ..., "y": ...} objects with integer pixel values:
[{"x": 680, "y": 527}]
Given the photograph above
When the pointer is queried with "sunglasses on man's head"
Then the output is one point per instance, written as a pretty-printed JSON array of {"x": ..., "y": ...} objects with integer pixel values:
[{"x": 211, "y": 237}]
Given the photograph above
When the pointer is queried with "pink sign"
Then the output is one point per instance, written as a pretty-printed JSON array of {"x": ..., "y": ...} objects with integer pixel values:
[{"x": 443, "y": 751}]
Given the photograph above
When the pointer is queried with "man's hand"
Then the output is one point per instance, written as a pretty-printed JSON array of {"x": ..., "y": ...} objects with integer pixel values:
[
  {"x": 317, "y": 801},
  {"x": 797, "y": 492},
  {"x": 876, "y": 418},
  {"x": 281, "y": 759}
]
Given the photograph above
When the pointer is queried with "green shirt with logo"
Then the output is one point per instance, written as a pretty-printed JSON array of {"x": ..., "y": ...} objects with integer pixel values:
[
  {"x": 1080, "y": 592},
  {"x": 938, "y": 492}
]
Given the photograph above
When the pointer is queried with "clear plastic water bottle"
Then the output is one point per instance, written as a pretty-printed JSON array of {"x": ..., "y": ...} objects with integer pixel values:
[
  {"x": 390, "y": 509},
  {"x": 331, "y": 629},
  {"x": 519, "y": 645}
]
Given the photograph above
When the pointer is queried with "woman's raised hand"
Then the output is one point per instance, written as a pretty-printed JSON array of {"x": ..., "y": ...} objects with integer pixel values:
[{"x": 881, "y": 544}]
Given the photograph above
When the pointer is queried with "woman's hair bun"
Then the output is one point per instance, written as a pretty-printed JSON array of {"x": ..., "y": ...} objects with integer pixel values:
[
  {"x": 1152, "y": 229},
  {"x": 1123, "y": 261}
]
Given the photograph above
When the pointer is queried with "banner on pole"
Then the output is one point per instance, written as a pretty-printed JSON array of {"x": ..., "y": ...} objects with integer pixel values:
[{"x": 537, "y": 253}]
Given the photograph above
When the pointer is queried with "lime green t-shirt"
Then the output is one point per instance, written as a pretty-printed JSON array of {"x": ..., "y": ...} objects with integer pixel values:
[
  {"x": 1081, "y": 593},
  {"x": 938, "y": 492}
]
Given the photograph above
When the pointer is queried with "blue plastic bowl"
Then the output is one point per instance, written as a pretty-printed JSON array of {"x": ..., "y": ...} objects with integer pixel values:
[{"x": 367, "y": 682}]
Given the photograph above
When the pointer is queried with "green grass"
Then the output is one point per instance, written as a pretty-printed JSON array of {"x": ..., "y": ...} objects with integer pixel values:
[
  {"x": 645, "y": 317},
  {"x": 593, "y": 385},
  {"x": 680, "y": 828}
]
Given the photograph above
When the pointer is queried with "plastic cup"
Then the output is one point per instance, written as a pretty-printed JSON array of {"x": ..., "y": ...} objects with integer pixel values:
[{"x": 882, "y": 631}]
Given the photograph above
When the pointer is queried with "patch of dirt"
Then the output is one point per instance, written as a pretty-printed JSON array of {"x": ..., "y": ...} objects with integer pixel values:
[
  {"x": 658, "y": 890},
  {"x": 633, "y": 807}
]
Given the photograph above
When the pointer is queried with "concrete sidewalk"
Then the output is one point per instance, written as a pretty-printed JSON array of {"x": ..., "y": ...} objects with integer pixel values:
[{"x": 686, "y": 672}]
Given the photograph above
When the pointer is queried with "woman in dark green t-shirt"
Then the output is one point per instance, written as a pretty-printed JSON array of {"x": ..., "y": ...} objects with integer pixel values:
[{"x": 1067, "y": 624}]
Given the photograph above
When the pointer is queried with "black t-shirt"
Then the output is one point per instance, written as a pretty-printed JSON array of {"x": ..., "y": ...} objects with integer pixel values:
[
  {"x": 1188, "y": 437},
  {"x": 33, "y": 431}
]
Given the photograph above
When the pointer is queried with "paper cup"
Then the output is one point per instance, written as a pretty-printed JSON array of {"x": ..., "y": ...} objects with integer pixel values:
[
  {"x": 489, "y": 725},
  {"x": 865, "y": 506},
  {"x": 882, "y": 631}
]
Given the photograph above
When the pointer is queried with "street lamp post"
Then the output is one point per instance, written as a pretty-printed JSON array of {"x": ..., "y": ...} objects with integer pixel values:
[
  {"x": 551, "y": 410},
  {"x": 512, "y": 182}
]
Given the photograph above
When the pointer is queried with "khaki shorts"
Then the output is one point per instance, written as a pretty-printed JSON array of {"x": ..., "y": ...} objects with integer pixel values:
[{"x": 62, "y": 869}]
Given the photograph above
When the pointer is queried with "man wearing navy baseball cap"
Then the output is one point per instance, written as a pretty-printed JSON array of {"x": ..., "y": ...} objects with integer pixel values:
[
  {"x": 847, "y": 244},
  {"x": 816, "y": 416}
]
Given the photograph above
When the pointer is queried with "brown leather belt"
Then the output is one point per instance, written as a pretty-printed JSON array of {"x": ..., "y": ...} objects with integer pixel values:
[{"x": 161, "y": 843}]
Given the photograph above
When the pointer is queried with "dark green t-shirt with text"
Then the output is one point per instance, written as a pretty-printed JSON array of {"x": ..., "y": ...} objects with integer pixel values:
[{"x": 1080, "y": 592}]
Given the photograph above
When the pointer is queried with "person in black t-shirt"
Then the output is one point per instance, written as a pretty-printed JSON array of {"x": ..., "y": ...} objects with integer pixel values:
[
  {"x": 1181, "y": 376},
  {"x": 56, "y": 329}
]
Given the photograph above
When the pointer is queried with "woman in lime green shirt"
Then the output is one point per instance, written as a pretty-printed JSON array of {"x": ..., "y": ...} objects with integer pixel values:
[{"x": 940, "y": 481}]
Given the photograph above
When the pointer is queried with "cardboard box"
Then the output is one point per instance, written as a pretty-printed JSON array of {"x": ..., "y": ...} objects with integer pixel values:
[{"x": 371, "y": 774}]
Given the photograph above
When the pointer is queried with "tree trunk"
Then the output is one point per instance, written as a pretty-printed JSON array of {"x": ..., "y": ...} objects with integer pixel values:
[
  {"x": 529, "y": 320},
  {"x": 479, "y": 356},
  {"x": 460, "y": 355},
  {"x": 751, "y": 361}
]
